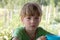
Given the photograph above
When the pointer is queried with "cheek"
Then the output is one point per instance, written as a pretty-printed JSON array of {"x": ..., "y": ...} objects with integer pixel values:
[
  {"x": 40, "y": 20},
  {"x": 26, "y": 22},
  {"x": 37, "y": 22}
]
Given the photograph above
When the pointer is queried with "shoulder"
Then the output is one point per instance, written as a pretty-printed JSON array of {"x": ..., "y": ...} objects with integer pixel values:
[
  {"x": 18, "y": 32},
  {"x": 42, "y": 31}
]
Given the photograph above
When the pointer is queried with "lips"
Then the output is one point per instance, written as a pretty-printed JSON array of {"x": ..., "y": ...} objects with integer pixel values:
[{"x": 33, "y": 25}]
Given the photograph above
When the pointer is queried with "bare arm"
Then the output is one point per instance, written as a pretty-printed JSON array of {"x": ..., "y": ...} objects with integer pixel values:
[{"x": 42, "y": 38}]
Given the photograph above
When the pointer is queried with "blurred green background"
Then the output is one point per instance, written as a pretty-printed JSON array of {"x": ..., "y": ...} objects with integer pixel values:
[{"x": 10, "y": 19}]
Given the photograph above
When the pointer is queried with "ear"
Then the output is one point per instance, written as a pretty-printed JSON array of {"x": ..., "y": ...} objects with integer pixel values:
[{"x": 21, "y": 19}]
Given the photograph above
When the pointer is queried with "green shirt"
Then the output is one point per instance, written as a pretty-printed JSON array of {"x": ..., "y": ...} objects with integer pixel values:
[{"x": 22, "y": 35}]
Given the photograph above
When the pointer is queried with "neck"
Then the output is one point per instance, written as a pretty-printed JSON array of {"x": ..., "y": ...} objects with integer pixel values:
[{"x": 30, "y": 32}]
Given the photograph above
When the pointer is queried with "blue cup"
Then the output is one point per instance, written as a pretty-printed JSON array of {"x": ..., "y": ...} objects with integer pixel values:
[{"x": 52, "y": 37}]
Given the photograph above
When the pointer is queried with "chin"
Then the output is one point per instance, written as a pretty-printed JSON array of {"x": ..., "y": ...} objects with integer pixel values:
[{"x": 33, "y": 28}]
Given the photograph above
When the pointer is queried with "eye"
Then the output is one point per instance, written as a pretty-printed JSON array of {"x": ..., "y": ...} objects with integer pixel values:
[
  {"x": 36, "y": 18},
  {"x": 28, "y": 18}
]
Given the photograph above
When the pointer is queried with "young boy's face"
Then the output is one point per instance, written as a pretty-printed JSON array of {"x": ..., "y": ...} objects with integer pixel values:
[{"x": 31, "y": 22}]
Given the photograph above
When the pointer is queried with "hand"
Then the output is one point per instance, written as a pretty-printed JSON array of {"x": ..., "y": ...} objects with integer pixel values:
[
  {"x": 42, "y": 38},
  {"x": 15, "y": 38}
]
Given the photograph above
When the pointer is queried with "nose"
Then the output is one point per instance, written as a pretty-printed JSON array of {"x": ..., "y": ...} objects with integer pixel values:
[{"x": 32, "y": 21}]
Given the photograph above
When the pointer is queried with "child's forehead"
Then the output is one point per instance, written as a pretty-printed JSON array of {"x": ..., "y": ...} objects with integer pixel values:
[{"x": 31, "y": 16}]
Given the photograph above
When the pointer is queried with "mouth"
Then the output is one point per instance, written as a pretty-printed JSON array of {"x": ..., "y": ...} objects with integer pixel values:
[{"x": 33, "y": 26}]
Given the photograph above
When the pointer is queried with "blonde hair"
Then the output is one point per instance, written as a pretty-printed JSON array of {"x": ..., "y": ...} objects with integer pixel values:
[{"x": 31, "y": 9}]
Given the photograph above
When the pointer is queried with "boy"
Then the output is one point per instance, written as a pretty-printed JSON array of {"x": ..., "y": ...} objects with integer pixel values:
[{"x": 31, "y": 14}]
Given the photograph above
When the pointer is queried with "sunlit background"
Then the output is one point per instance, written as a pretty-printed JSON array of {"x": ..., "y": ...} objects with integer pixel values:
[{"x": 9, "y": 16}]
